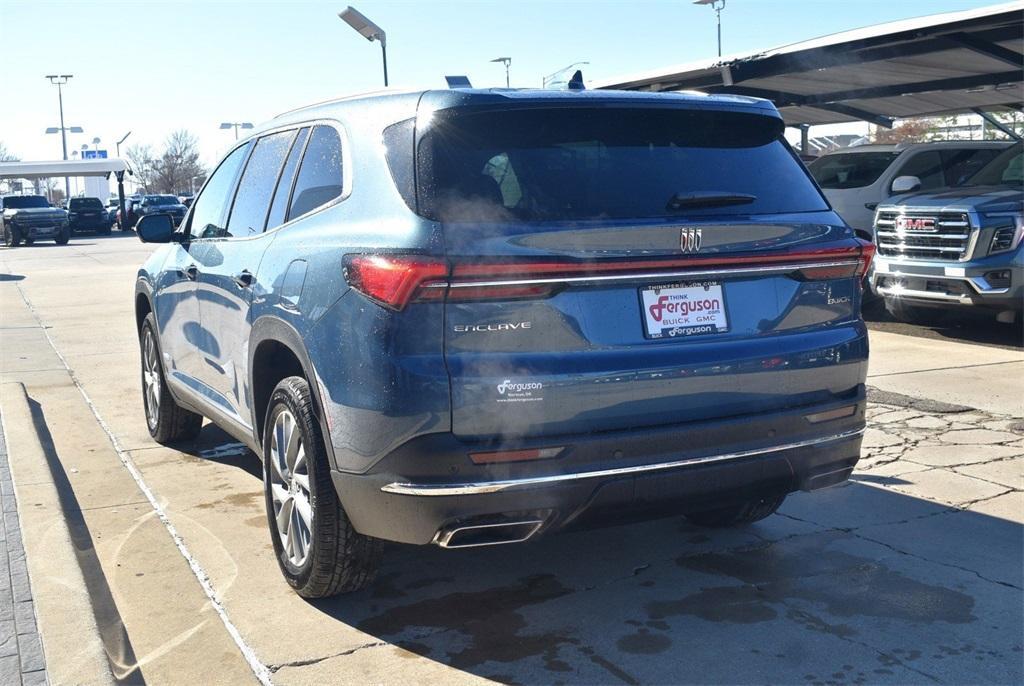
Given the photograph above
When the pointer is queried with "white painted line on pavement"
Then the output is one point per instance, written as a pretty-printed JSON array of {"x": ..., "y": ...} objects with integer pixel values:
[{"x": 259, "y": 669}]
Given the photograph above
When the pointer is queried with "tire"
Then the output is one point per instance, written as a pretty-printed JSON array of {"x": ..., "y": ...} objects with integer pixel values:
[
  {"x": 63, "y": 237},
  {"x": 910, "y": 314},
  {"x": 12, "y": 237},
  {"x": 28, "y": 241},
  {"x": 167, "y": 421},
  {"x": 737, "y": 515},
  {"x": 318, "y": 551}
]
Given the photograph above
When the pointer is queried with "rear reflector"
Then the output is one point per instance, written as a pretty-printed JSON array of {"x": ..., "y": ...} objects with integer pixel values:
[
  {"x": 515, "y": 455},
  {"x": 828, "y": 415}
]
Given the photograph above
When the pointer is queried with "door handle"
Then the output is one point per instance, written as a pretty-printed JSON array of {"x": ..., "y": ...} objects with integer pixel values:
[
  {"x": 190, "y": 272},
  {"x": 243, "y": 279}
]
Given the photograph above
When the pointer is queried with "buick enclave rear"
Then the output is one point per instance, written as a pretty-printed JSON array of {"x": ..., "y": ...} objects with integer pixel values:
[{"x": 475, "y": 317}]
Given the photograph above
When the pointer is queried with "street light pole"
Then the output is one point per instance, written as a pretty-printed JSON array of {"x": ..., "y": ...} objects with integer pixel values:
[
  {"x": 717, "y": 6},
  {"x": 118, "y": 144},
  {"x": 236, "y": 126},
  {"x": 506, "y": 61},
  {"x": 59, "y": 80},
  {"x": 368, "y": 30}
]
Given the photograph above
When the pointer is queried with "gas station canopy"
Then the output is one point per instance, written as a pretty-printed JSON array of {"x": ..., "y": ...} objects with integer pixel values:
[
  {"x": 937, "y": 65},
  {"x": 59, "y": 168}
]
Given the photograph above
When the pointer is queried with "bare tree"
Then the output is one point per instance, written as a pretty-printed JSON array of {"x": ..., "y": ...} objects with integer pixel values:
[
  {"x": 179, "y": 164},
  {"x": 141, "y": 159},
  {"x": 6, "y": 155}
]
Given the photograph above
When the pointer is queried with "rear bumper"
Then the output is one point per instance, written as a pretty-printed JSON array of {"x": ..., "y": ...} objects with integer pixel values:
[{"x": 430, "y": 485}]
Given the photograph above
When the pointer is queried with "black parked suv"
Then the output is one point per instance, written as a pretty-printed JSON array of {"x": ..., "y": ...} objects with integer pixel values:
[
  {"x": 87, "y": 214},
  {"x": 28, "y": 218}
]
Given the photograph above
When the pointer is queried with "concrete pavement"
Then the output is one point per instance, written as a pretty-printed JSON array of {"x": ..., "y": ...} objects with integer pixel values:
[{"x": 911, "y": 573}]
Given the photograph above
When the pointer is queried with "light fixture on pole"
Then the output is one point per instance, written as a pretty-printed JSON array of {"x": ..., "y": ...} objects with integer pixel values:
[
  {"x": 236, "y": 125},
  {"x": 368, "y": 30},
  {"x": 60, "y": 80},
  {"x": 551, "y": 77},
  {"x": 118, "y": 144},
  {"x": 506, "y": 61},
  {"x": 717, "y": 6}
]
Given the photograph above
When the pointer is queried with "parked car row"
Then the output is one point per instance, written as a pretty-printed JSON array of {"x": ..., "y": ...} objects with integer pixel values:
[{"x": 140, "y": 206}]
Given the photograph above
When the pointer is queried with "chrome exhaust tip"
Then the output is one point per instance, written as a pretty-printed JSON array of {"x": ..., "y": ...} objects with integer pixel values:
[{"x": 495, "y": 533}]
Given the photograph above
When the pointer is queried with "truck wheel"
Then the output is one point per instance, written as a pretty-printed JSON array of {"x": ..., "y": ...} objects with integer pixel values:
[
  {"x": 12, "y": 237},
  {"x": 63, "y": 237},
  {"x": 910, "y": 314},
  {"x": 735, "y": 515},
  {"x": 318, "y": 551},
  {"x": 166, "y": 420}
]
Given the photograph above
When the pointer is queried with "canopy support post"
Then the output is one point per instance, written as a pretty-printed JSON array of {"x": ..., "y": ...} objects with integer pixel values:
[{"x": 120, "y": 199}]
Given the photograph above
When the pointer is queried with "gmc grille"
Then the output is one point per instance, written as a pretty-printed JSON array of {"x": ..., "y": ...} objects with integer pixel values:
[{"x": 949, "y": 240}]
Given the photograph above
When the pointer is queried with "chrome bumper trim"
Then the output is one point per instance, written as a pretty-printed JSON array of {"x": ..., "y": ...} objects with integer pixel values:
[{"x": 529, "y": 482}]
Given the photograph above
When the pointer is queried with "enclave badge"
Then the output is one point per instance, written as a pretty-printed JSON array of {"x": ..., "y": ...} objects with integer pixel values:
[{"x": 689, "y": 239}]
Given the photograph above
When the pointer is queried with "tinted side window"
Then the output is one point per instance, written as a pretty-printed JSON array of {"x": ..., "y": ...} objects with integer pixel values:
[
  {"x": 926, "y": 166},
  {"x": 319, "y": 179},
  {"x": 252, "y": 201},
  {"x": 211, "y": 207},
  {"x": 963, "y": 164},
  {"x": 279, "y": 206}
]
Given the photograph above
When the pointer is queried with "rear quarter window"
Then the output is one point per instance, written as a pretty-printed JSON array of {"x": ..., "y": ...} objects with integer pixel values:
[{"x": 319, "y": 180}]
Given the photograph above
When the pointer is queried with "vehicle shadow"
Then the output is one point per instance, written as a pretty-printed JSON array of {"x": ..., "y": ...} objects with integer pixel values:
[
  {"x": 961, "y": 325},
  {"x": 857, "y": 580}
]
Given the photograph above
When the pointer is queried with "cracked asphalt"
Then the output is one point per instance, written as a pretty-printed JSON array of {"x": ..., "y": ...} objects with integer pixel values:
[{"x": 909, "y": 573}]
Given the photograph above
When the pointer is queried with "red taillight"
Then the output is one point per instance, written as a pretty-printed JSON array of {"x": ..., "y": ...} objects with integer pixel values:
[{"x": 395, "y": 280}]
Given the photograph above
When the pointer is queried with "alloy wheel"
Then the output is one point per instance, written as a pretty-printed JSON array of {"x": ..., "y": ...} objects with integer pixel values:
[
  {"x": 289, "y": 488},
  {"x": 151, "y": 378}
]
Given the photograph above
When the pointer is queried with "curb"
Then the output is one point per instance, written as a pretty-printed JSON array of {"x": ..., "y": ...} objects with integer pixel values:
[{"x": 71, "y": 639}]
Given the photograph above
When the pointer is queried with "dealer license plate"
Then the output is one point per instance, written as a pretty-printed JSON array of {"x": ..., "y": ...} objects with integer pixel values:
[{"x": 683, "y": 309}]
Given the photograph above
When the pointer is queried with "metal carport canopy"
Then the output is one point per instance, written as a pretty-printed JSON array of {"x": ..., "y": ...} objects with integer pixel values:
[
  {"x": 936, "y": 65},
  {"x": 48, "y": 169}
]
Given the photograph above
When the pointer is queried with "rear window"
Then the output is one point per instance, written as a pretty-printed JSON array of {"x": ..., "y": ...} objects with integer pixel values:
[
  {"x": 85, "y": 204},
  {"x": 161, "y": 200},
  {"x": 850, "y": 169},
  {"x": 605, "y": 163}
]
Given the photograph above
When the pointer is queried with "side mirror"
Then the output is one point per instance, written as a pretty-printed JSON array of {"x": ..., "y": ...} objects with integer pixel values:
[
  {"x": 155, "y": 228},
  {"x": 905, "y": 184}
]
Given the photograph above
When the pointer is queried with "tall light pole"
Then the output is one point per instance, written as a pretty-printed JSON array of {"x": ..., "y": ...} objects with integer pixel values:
[
  {"x": 506, "y": 61},
  {"x": 236, "y": 125},
  {"x": 717, "y": 6},
  {"x": 368, "y": 30},
  {"x": 118, "y": 144},
  {"x": 59, "y": 80},
  {"x": 551, "y": 77}
]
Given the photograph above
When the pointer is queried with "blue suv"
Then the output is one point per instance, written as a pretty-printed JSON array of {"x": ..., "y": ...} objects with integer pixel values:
[{"x": 470, "y": 317}]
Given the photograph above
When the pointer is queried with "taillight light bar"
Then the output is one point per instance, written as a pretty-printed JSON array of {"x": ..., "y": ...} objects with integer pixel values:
[{"x": 396, "y": 280}]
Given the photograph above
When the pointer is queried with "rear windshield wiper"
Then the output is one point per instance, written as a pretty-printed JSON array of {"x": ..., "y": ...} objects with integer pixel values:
[{"x": 682, "y": 201}]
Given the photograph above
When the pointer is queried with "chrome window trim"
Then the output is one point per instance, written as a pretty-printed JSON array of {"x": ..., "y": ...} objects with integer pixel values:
[
  {"x": 647, "y": 276},
  {"x": 477, "y": 488}
]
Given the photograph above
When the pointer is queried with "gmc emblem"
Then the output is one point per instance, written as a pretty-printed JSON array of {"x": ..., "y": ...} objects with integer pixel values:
[
  {"x": 915, "y": 224},
  {"x": 689, "y": 239}
]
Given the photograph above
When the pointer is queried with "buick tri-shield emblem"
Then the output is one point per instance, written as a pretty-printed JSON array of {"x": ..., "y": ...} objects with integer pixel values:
[
  {"x": 915, "y": 223},
  {"x": 689, "y": 239}
]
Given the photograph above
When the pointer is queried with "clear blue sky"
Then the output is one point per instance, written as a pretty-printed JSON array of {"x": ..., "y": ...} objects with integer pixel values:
[{"x": 152, "y": 67}]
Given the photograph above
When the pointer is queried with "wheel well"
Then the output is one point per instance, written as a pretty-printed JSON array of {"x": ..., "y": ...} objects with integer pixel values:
[
  {"x": 272, "y": 362},
  {"x": 142, "y": 308}
]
